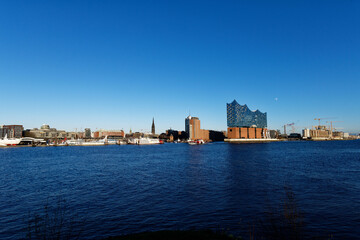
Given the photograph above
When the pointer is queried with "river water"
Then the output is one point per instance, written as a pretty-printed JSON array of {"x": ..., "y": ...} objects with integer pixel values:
[{"x": 114, "y": 190}]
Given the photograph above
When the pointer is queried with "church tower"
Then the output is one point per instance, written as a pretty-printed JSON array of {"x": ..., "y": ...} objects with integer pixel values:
[{"x": 153, "y": 127}]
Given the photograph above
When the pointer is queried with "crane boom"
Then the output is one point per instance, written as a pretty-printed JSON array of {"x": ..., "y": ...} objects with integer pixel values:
[
  {"x": 289, "y": 124},
  {"x": 319, "y": 119}
]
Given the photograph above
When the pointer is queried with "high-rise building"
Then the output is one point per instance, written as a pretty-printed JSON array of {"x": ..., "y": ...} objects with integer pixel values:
[
  {"x": 241, "y": 116},
  {"x": 194, "y": 131},
  {"x": 153, "y": 127},
  {"x": 192, "y": 128},
  {"x": 11, "y": 131}
]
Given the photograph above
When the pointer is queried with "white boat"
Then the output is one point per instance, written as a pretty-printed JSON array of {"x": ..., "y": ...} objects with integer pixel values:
[
  {"x": 93, "y": 143},
  {"x": 81, "y": 142},
  {"x": 112, "y": 141},
  {"x": 145, "y": 141},
  {"x": 196, "y": 142},
  {"x": 74, "y": 142},
  {"x": 122, "y": 142},
  {"x": 9, "y": 141},
  {"x": 149, "y": 141}
]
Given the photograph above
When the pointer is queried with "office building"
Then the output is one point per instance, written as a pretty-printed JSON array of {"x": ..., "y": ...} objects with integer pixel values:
[{"x": 193, "y": 130}]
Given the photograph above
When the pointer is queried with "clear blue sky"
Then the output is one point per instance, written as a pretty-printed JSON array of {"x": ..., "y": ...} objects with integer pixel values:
[{"x": 118, "y": 64}]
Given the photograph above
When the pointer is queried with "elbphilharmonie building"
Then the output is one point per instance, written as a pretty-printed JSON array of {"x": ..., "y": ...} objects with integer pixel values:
[{"x": 241, "y": 116}]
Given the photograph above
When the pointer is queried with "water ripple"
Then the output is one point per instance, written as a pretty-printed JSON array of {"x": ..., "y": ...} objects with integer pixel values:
[{"x": 115, "y": 190}]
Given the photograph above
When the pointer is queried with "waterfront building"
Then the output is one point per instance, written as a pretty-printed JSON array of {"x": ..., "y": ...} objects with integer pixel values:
[
  {"x": 80, "y": 135},
  {"x": 165, "y": 137},
  {"x": 153, "y": 127},
  {"x": 182, "y": 135},
  {"x": 338, "y": 135},
  {"x": 174, "y": 133},
  {"x": 274, "y": 133},
  {"x": 11, "y": 131},
  {"x": 188, "y": 127},
  {"x": 216, "y": 136},
  {"x": 192, "y": 128},
  {"x": 134, "y": 135},
  {"x": 247, "y": 133},
  {"x": 109, "y": 133},
  {"x": 245, "y": 124},
  {"x": 45, "y": 132},
  {"x": 241, "y": 116},
  {"x": 306, "y": 133},
  {"x": 320, "y": 133},
  {"x": 87, "y": 133}
]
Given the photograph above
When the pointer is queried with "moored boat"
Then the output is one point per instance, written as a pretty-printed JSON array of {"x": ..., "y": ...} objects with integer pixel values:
[
  {"x": 9, "y": 141},
  {"x": 196, "y": 142},
  {"x": 145, "y": 141}
]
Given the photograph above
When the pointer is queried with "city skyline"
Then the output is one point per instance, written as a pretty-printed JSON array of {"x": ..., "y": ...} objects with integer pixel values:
[{"x": 116, "y": 65}]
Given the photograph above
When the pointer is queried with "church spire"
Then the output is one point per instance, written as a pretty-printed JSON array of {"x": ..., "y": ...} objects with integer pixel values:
[{"x": 153, "y": 127}]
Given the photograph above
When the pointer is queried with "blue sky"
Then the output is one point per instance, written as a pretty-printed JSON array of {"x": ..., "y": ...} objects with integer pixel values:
[{"x": 118, "y": 64}]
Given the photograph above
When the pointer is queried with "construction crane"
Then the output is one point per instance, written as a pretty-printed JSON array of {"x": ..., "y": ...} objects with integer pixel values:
[
  {"x": 289, "y": 124},
  {"x": 319, "y": 119},
  {"x": 331, "y": 123},
  {"x": 331, "y": 126}
]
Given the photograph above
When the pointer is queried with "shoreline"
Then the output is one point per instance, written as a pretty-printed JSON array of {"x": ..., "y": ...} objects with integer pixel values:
[{"x": 231, "y": 141}]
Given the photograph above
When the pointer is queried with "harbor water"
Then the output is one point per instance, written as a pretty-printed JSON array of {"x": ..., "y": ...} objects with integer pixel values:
[{"x": 115, "y": 190}]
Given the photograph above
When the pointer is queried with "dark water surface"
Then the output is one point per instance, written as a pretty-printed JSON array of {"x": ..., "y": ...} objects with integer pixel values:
[{"x": 114, "y": 190}]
